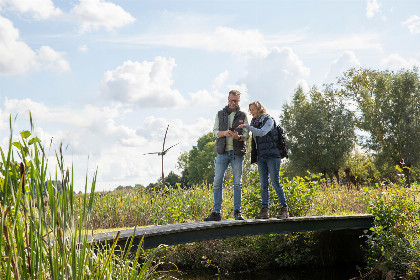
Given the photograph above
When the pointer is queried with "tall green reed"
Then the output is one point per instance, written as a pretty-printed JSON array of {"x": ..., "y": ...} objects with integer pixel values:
[{"x": 43, "y": 237}]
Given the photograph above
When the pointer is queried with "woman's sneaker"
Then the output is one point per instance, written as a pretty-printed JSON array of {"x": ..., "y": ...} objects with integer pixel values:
[{"x": 213, "y": 217}]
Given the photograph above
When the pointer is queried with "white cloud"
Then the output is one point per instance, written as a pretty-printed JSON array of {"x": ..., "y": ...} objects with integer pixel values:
[
  {"x": 362, "y": 41},
  {"x": 40, "y": 9},
  {"x": 90, "y": 131},
  {"x": 23, "y": 106},
  {"x": 211, "y": 32},
  {"x": 413, "y": 24},
  {"x": 16, "y": 57},
  {"x": 96, "y": 14},
  {"x": 83, "y": 49},
  {"x": 274, "y": 77},
  {"x": 4, "y": 117},
  {"x": 86, "y": 132},
  {"x": 154, "y": 128},
  {"x": 219, "y": 81},
  {"x": 207, "y": 98},
  {"x": 223, "y": 39},
  {"x": 346, "y": 61},
  {"x": 214, "y": 98},
  {"x": 85, "y": 116},
  {"x": 147, "y": 84},
  {"x": 396, "y": 61},
  {"x": 126, "y": 164},
  {"x": 52, "y": 59},
  {"x": 236, "y": 41},
  {"x": 372, "y": 7},
  {"x": 206, "y": 31}
]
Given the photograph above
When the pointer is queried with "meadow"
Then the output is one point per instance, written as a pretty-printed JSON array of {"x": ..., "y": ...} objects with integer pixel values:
[
  {"x": 143, "y": 207},
  {"x": 44, "y": 231},
  {"x": 391, "y": 247}
]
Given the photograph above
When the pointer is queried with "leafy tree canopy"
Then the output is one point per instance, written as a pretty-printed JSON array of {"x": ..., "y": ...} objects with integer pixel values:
[
  {"x": 319, "y": 130},
  {"x": 197, "y": 165},
  {"x": 388, "y": 105}
]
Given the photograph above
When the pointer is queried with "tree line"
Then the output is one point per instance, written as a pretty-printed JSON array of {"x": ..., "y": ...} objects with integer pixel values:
[{"x": 366, "y": 126}]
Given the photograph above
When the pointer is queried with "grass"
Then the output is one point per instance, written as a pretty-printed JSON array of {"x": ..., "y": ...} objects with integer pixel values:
[
  {"x": 143, "y": 207},
  {"x": 338, "y": 200},
  {"x": 306, "y": 196}
]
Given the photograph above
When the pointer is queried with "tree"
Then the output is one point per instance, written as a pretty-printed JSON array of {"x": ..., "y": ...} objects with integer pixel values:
[
  {"x": 172, "y": 179},
  {"x": 120, "y": 187},
  {"x": 319, "y": 131},
  {"x": 388, "y": 106},
  {"x": 197, "y": 165}
]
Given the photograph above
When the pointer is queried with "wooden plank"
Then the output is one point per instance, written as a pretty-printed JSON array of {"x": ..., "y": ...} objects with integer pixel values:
[{"x": 198, "y": 231}]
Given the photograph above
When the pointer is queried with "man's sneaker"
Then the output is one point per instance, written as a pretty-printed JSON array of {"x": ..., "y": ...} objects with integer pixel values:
[
  {"x": 284, "y": 213},
  {"x": 238, "y": 215},
  {"x": 263, "y": 213},
  {"x": 213, "y": 217}
]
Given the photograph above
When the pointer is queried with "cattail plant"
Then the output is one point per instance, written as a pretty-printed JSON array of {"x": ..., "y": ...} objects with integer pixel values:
[{"x": 40, "y": 235}]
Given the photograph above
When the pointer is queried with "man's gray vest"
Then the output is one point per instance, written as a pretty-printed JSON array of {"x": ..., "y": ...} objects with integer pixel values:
[{"x": 239, "y": 147}]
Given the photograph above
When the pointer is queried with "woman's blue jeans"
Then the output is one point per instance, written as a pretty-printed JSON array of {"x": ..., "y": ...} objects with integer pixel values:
[
  {"x": 270, "y": 166},
  {"x": 222, "y": 163}
]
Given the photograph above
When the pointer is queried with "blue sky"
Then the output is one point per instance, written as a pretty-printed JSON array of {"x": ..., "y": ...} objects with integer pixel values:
[{"x": 105, "y": 78}]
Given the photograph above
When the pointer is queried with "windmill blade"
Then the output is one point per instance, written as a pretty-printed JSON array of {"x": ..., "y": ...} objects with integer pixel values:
[
  {"x": 151, "y": 153},
  {"x": 170, "y": 147},
  {"x": 164, "y": 139}
]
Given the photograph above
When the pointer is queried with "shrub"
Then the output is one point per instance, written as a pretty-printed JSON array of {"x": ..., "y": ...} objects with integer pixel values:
[
  {"x": 299, "y": 192},
  {"x": 393, "y": 243}
]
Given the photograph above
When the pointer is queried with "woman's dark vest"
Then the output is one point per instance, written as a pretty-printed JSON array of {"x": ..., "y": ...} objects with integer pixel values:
[
  {"x": 239, "y": 147},
  {"x": 266, "y": 146}
]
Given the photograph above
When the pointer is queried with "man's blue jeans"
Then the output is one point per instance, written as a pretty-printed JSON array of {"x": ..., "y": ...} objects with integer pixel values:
[
  {"x": 222, "y": 163},
  {"x": 270, "y": 166}
]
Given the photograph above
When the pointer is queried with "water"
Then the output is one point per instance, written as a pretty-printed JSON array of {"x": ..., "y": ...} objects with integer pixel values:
[{"x": 335, "y": 273}]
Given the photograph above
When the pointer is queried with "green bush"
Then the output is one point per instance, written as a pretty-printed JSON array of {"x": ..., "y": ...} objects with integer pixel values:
[
  {"x": 299, "y": 192},
  {"x": 394, "y": 244}
]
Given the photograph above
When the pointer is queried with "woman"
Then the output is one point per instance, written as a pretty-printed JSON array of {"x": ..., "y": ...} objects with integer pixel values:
[{"x": 265, "y": 152}]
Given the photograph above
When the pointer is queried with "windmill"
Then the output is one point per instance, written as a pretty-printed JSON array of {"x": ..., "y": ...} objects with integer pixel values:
[{"x": 162, "y": 153}]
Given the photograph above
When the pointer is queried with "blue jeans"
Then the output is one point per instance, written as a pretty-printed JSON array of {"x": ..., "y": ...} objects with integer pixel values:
[
  {"x": 222, "y": 163},
  {"x": 270, "y": 166}
]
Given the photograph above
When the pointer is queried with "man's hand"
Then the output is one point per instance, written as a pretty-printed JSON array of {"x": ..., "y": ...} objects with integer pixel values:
[
  {"x": 229, "y": 133},
  {"x": 225, "y": 133},
  {"x": 235, "y": 135}
]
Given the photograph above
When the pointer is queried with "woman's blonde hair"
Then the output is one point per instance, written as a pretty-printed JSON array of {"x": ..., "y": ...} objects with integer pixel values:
[{"x": 260, "y": 107}]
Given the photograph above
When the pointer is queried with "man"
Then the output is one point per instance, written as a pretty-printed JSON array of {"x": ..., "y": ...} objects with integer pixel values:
[{"x": 230, "y": 148}]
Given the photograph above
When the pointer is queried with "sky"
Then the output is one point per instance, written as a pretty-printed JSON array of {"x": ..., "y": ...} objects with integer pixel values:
[{"x": 106, "y": 78}]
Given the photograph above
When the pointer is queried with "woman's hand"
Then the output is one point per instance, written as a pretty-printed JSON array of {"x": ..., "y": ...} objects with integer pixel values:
[{"x": 242, "y": 125}]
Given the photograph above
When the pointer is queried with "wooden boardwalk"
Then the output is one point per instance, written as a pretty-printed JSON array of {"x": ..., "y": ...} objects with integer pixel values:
[{"x": 199, "y": 231}]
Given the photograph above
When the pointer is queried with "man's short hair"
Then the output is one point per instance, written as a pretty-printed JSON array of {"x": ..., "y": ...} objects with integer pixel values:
[{"x": 235, "y": 92}]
